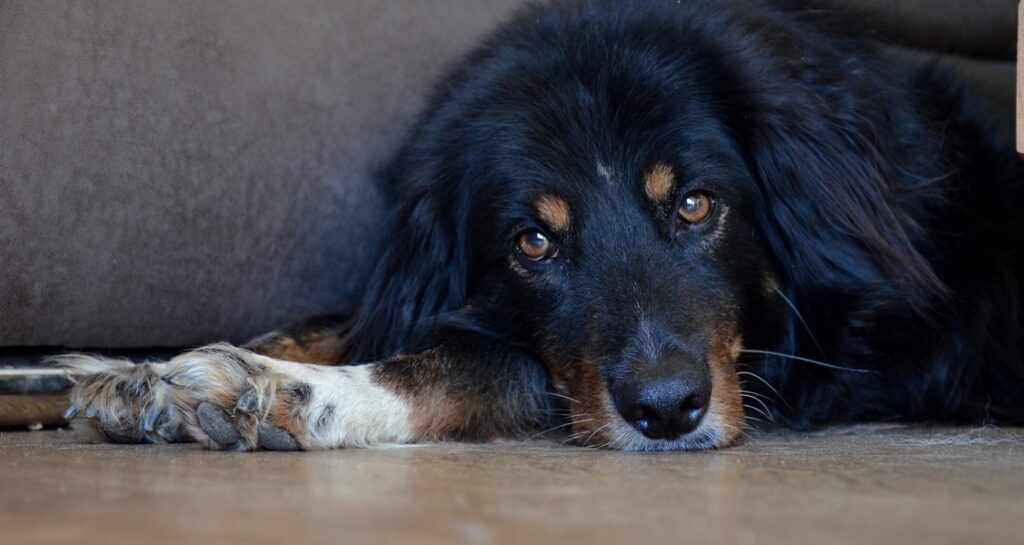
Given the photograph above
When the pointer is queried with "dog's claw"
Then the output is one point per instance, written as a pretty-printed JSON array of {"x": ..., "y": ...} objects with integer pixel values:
[
  {"x": 150, "y": 416},
  {"x": 248, "y": 402},
  {"x": 71, "y": 412},
  {"x": 171, "y": 380}
]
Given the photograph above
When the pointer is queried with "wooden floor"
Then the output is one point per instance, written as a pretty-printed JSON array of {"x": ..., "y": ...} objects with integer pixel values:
[{"x": 860, "y": 485}]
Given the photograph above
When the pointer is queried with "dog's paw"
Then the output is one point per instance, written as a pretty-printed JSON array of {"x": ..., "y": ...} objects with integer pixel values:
[
  {"x": 125, "y": 402},
  {"x": 221, "y": 396},
  {"x": 230, "y": 398}
]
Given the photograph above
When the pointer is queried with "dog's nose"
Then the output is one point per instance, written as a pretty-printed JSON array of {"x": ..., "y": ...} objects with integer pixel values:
[{"x": 664, "y": 408}]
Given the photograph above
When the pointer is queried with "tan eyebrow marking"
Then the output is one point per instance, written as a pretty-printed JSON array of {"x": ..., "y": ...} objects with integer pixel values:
[
  {"x": 659, "y": 181},
  {"x": 554, "y": 211}
]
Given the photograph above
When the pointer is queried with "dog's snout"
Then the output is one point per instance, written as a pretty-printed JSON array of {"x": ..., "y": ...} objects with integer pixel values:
[{"x": 664, "y": 407}]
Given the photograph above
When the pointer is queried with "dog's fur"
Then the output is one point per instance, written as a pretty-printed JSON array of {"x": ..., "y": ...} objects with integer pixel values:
[{"x": 862, "y": 259}]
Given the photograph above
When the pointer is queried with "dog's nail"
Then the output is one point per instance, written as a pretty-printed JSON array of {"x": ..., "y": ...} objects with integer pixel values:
[
  {"x": 274, "y": 438},
  {"x": 170, "y": 379},
  {"x": 71, "y": 413},
  {"x": 151, "y": 416},
  {"x": 216, "y": 424},
  {"x": 248, "y": 403},
  {"x": 92, "y": 411}
]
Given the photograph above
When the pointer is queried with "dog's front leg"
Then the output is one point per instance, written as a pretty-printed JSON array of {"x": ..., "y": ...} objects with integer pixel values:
[{"x": 231, "y": 398}]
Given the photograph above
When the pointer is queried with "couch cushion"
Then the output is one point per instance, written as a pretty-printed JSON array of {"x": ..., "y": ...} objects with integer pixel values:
[{"x": 192, "y": 171}]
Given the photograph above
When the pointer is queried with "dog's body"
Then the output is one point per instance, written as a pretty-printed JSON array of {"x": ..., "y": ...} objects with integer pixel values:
[{"x": 630, "y": 221}]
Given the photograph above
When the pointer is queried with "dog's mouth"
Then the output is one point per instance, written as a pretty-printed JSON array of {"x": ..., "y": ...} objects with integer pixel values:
[{"x": 596, "y": 423}]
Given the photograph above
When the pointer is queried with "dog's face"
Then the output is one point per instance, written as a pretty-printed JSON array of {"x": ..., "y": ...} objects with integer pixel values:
[
  {"x": 630, "y": 286},
  {"x": 626, "y": 254}
]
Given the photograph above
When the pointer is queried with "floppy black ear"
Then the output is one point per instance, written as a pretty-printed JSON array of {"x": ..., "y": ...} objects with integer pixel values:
[
  {"x": 843, "y": 202},
  {"x": 420, "y": 275}
]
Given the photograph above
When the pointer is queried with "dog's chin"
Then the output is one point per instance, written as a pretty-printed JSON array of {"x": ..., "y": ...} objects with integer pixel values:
[{"x": 712, "y": 433}]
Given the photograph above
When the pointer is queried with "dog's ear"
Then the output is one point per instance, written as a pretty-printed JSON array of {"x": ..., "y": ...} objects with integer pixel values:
[
  {"x": 835, "y": 196},
  {"x": 420, "y": 275}
]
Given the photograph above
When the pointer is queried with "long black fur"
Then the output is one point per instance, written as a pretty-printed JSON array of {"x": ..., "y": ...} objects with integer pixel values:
[{"x": 885, "y": 204}]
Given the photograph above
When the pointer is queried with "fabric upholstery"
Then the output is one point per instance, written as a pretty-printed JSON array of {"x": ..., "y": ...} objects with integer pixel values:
[{"x": 177, "y": 172}]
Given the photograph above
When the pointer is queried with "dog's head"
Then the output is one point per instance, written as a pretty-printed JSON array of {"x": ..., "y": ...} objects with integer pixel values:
[
  {"x": 632, "y": 283},
  {"x": 622, "y": 197}
]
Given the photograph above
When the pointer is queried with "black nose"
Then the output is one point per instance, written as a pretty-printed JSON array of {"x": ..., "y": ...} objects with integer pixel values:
[{"x": 664, "y": 408}]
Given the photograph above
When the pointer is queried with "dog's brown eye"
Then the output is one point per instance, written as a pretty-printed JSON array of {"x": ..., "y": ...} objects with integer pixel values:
[
  {"x": 696, "y": 207},
  {"x": 535, "y": 246}
]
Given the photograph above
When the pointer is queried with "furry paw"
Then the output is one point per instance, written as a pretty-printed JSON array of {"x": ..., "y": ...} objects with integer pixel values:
[{"x": 221, "y": 396}]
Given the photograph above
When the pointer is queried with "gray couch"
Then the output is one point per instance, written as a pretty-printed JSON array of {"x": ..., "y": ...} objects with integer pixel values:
[{"x": 179, "y": 172}]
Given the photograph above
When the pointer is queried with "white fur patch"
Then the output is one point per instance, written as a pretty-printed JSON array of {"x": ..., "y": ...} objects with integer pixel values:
[{"x": 347, "y": 408}]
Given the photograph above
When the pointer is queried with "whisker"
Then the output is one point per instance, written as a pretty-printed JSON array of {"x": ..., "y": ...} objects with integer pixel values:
[
  {"x": 768, "y": 384},
  {"x": 763, "y": 404},
  {"x": 621, "y": 436},
  {"x": 577, "y": 419},
  {"x": 729, "y": 426},
  {"x": 807, "y": 360},
  {"x": 549, "y": 430},
  {"x": 565, "y": 397},
  {"x": 755, "y": 394},
  {"x": 589, "y": 437},
  {"x": 570, "y": 439},
  {"x": 799, "y": 317},
  {"x": 742, "y": 432},
  {"x": 573, "y": 437},
  {"x": 611, "y": 441},
  {"x": 766, "y": 415}
]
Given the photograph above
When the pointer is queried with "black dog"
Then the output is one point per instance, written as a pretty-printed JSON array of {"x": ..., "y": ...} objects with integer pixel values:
[{"x": 630, "y": 220}]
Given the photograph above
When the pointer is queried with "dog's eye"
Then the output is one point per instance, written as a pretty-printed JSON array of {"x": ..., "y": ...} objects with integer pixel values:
[
  {"x": 696, "y": 207},
  {"x": 533, "y": 245}
]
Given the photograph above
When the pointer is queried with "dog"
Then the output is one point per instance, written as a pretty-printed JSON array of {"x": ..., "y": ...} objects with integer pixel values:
[{"x": 645, "y": 226}]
